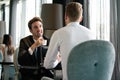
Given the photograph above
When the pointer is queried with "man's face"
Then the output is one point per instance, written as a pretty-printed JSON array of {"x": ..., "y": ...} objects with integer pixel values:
[{"x": 37, "y": 29}]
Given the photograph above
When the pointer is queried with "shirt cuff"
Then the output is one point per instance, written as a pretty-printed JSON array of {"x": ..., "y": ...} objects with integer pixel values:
[
  {"x": 30, "y": 51},
  {"x": 56, "y": 63}
]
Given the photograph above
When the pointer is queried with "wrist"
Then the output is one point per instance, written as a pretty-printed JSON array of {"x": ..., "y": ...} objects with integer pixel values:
[{"x": 33, "y": 46}]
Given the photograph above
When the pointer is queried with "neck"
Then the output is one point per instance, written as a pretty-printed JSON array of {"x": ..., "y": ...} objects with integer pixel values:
[{"x": 37, "y": 37}]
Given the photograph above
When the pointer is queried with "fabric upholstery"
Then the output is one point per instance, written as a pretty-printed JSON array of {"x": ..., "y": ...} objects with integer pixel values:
[
  {"x": 16, "y": 65},
  {"x": 91, "y": 60}
]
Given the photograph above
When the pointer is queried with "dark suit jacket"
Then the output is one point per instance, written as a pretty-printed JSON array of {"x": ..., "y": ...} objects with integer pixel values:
[{"x": 24, "y": 57}]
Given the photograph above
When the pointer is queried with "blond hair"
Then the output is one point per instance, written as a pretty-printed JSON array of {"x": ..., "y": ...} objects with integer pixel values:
[{"x": 74, "y": 11}]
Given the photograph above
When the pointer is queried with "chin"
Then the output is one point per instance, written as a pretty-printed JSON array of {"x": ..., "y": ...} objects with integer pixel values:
[{"x": 39, "y": 35}]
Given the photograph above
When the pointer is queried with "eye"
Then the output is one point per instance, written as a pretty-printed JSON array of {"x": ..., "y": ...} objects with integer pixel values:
[
  {"x": 35, "y": 27},
  {"x": 41, "y": 25}
]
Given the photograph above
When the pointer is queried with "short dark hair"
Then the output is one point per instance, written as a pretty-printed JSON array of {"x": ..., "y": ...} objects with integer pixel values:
[{"x": 34, "y": 19}]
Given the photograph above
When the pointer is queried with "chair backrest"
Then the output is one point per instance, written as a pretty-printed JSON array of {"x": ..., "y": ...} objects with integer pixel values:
[
  {"x": 91, "y": 60},
  {"x": 1, "y": 56},
  {"x": 16, "y": 65},
  {"x": 15, "y": 60}
]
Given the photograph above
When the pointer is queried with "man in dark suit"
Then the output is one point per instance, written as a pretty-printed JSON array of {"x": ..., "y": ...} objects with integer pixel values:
[{"x": 32, "y": 52}]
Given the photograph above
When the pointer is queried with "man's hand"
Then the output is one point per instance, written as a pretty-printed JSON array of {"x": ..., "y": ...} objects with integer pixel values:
[{"x": 38, "y": 42}]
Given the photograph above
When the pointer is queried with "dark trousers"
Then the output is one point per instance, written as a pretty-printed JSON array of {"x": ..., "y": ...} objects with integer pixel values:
[
  {"x": 37, "y": 75},
  {"x": 31, "y": 77}
]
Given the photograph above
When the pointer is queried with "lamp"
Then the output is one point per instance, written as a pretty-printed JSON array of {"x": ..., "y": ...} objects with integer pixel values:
[
  {"x": 2, "y": 30},
  {"x": 52, "y": 16}
]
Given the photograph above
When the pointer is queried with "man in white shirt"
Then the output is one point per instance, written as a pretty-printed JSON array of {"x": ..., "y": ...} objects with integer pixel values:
[{"x": 64, "y": 39}]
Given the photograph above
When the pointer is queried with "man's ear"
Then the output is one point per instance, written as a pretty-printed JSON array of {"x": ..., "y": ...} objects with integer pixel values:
[
  {"x": 30, "y": 30},
  {"x": 65, "y": 16},
  {"x": 81, "y": 18},
  {"x": 66, "y": 19}
]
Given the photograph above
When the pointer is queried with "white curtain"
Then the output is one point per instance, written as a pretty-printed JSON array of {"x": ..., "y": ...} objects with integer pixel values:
[{"x": 99, "y": 11}]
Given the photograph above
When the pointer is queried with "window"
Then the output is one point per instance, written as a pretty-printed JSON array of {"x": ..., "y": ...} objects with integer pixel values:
[{"x": 99, "y": 18}]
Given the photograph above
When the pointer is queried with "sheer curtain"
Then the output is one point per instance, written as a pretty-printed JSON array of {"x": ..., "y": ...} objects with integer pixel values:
[{"x": 99, "y": 11}]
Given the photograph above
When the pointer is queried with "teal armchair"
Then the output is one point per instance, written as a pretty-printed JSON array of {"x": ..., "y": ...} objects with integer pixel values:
[{"x": 91, "y": 60}]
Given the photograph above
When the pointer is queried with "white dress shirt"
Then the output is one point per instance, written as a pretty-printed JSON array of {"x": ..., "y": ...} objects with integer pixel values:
[{"x": 63, "y": 40}]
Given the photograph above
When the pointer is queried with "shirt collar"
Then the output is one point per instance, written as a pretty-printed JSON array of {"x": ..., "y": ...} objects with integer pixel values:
[{"x": 72, "y": 23}]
